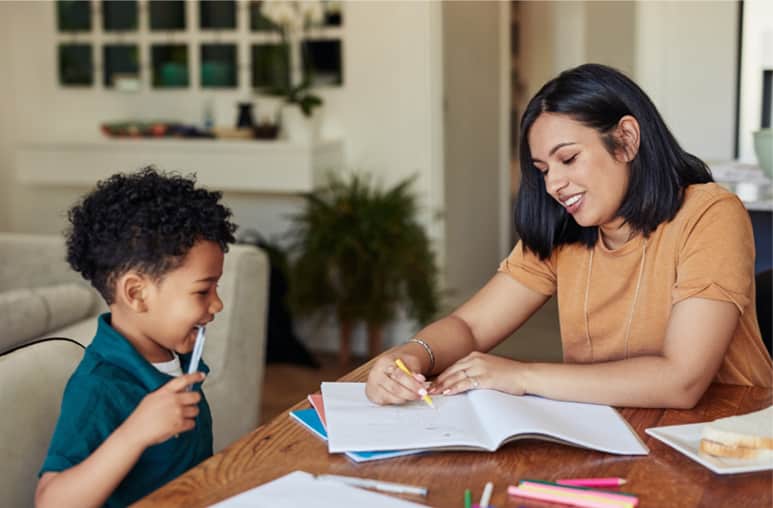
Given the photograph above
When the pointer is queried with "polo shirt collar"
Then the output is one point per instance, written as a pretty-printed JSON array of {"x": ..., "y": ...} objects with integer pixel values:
[{"x": 115, "y": 349}]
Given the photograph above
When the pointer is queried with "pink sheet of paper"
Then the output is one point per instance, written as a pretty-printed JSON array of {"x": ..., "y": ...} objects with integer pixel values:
[{"x": 315, "y": 399}]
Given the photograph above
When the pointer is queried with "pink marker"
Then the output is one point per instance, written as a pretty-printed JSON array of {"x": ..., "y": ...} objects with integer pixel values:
[{"x": 592, "y": 482}]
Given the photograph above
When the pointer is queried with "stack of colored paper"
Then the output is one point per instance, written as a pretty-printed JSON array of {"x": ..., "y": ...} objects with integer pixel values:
[{"x": 572, "y": 496}]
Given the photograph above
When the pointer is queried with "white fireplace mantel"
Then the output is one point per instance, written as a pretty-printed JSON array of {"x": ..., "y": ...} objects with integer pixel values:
[{"x": 233, "y": 165}]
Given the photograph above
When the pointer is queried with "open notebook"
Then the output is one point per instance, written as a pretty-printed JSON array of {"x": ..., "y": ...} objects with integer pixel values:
[{"x": 476, "y": 420}]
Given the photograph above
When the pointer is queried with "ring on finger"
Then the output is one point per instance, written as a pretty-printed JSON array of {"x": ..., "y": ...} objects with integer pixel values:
[{"x": 475, "y": 383}]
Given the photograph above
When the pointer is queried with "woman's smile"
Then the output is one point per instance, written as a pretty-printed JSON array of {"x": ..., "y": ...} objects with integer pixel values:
[{"x": 573, "y": 203}]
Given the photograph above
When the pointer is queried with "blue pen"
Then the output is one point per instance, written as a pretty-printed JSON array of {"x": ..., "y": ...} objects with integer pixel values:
[{"x": 198, "y": 347}]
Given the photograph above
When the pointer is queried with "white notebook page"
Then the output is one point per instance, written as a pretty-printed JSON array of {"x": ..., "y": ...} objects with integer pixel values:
[
  {"x": 299, "y": 489},
  {"x": 480, "y": 418}
]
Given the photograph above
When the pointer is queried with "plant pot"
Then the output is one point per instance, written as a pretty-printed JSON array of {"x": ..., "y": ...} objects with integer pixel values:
[
  {"x": 297, "y": 127},
  {"x": 266, "y": 131},
  {"x": 763, "y": 148}
]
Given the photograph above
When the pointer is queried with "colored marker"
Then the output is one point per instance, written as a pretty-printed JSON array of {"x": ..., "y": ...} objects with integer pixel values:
[
  {"x": 405, "y": 369},
  {"x": 597, "y": 496},
  {"x": 485, "y": 498},
  {"x": 581, "y": 500},
  {"x": 593, "y": 482},
  {"x": 198, "y": 347},
  {"x": 395, "y": 488}
]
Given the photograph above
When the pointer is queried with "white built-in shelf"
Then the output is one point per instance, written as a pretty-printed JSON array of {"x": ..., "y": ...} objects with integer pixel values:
[
  {"x": 748, "y": 181},
  {"x": 234, "y": 165}
]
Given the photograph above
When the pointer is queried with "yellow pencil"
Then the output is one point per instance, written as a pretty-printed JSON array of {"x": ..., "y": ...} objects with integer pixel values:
[{"x": 402, "y": 367}]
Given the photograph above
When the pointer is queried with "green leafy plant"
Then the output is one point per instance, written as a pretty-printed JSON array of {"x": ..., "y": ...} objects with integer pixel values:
[{"x": 360, "y": 251}]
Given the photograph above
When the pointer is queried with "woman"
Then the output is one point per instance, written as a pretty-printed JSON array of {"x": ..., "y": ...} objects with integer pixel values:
[{"x": 652, "y": 264}]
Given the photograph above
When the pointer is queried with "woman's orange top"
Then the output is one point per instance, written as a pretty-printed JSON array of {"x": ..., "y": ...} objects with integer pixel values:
[{"x": 706, "y": 251}]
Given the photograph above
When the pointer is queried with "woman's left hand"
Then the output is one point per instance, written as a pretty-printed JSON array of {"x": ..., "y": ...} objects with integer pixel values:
[{"x": 479, "y": 370}]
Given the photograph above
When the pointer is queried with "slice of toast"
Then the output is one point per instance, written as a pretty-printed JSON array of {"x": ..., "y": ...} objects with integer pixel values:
[{"x": 748, "y": 436}]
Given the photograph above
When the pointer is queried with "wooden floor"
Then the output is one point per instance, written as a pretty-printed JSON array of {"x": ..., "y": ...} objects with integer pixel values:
[{"x": 286, "y": 384}]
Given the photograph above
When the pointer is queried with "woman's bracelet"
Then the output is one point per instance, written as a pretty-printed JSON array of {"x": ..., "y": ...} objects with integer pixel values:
[{"x": 428, "y": 350}]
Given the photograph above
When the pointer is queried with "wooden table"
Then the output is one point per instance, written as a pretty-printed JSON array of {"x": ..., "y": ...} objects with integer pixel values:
[{"x": 664, "y": 478}]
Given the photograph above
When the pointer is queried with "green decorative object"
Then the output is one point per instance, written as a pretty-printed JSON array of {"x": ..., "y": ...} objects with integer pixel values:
[
  {"x": 763, "y": 148},
  {"x": 360, "y": 252}
]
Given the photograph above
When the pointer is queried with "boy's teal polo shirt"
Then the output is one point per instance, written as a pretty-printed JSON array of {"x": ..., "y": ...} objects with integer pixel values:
[{"x": 108, "y": 384}]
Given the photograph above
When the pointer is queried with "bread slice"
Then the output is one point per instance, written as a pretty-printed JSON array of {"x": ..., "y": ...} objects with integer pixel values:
[{"x": 748, "y": 436}]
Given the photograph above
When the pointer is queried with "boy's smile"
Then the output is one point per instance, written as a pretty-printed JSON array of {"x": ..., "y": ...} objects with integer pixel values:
[{"x": 164, "y": 314}]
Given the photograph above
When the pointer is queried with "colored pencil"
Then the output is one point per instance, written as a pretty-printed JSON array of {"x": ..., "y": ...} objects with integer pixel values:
[{"x": 405, "y": 369}]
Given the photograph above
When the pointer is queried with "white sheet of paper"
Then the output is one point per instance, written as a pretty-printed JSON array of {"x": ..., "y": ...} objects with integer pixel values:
[
  {"x": 356, "y": 424},
  {"x": 481, "y": 419},
  {"x": 299, "y": 489}
]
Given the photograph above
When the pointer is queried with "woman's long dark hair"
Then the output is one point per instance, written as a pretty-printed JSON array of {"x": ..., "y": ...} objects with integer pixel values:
[{"x": 598, "y": 96}]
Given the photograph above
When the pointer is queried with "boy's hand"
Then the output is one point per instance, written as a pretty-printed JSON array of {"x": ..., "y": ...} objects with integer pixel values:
[{"x": 168, "y": 411}]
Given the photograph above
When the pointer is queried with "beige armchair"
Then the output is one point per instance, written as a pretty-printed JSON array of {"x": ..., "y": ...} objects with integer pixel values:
[
  {"x": 32, "y": 379},
  {"x": 41, "y": 297}
]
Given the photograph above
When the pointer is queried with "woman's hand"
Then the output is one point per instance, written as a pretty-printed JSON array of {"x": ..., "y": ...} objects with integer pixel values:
[
  {"x": 480, "y": 370},
  {"x": 387, "y": 384}
]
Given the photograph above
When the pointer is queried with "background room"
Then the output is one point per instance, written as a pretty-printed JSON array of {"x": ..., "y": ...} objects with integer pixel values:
[{"x": 429, "y": 90}]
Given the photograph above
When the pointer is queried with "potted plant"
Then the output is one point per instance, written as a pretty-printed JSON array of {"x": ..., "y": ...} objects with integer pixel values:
[
  {"x": 360, "y": 252},
  {"x": 291, "y": 19}
]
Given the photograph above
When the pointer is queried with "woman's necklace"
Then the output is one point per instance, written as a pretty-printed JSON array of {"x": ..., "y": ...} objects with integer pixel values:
[{"x": 633, "y": 305}]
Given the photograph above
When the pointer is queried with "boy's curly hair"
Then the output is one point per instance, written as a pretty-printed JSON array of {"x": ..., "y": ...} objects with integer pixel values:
[{"x": 145, "y": 221}]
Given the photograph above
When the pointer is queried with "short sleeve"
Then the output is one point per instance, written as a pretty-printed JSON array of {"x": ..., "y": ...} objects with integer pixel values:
[
  {"x": 86, "y": 419},
  {"x": 716, "y": 257},
  {"x": 528, "y": 269}
]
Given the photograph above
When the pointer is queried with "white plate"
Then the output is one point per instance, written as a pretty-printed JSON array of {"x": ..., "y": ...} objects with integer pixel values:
[{"x": 687, "y": 438}]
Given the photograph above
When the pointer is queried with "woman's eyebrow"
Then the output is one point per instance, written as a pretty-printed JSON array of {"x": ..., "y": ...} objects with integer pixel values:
[{"x": 555, "y": 148}]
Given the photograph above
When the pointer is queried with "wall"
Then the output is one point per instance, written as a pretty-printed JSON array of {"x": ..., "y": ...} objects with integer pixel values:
[
  {"x": 539, "y": 40},
  {"x": 757, "y": 55},
  {"x": 682, "y": 53},
  {"x": 610, "y": 29},
  {"x": 686, "y": 62},
  {"x": 472, "y": 76},
  {"x": 7, "y": 117}
]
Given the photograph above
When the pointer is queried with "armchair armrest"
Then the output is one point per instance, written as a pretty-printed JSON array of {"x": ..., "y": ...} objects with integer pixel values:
[{"x": 235, "y": 346}]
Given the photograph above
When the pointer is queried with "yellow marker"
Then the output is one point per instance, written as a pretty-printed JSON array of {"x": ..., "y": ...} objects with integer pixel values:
[{"x": 402, "y": 367}]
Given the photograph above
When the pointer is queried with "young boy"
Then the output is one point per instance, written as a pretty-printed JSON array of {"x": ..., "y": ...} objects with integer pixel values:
[{"x": 153, "y": 246}]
